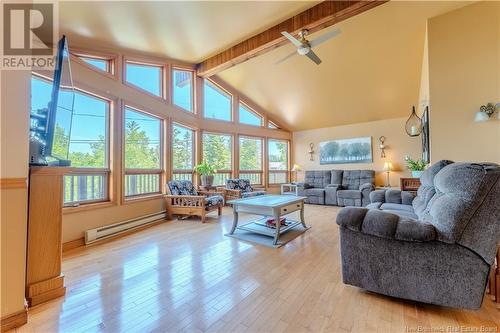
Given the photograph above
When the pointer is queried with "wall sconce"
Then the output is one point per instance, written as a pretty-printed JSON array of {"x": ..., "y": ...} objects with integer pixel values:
[
  {"x": 311, "y": 151},
  {"x": 382, "y": 146},
  {"x": 413, "y": 126},
  {"x": 486, "y": 112}
]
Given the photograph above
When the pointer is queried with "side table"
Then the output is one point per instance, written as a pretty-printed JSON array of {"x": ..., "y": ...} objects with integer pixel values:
[
  {"x": 410, "y": 184},
  {"x": 207, "y": 188},
  {"x": 289, "y": 189}
]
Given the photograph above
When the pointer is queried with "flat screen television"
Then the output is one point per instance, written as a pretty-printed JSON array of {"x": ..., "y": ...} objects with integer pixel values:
[{"x": 52, "y": 113}]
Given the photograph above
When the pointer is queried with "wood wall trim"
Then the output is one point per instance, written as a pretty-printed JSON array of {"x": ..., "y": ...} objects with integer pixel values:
[
  {"x": 14, "y": 320},
  {"x": 315, "y": 18},
  {"x": 73, "y": 244},
  {"x": 13, "y": 183}
]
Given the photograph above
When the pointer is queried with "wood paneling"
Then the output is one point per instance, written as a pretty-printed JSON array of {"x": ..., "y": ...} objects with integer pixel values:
[
  {"x": 15, "y": 320},
  {"x": 314, "y": 19},
  {"x": 73, "y": 244},
  {"x": 44, "y": 280},
  {"x": 9, "y": 183},
  {"x": 184, "y": 276}
]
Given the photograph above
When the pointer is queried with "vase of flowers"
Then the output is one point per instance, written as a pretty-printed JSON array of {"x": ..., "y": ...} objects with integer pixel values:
[
  {"x": 206, "y": 172},
  {"x": 416, "y": 167}
]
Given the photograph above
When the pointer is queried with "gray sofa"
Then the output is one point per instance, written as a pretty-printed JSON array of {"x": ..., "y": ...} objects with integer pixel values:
[
  {"x": 437, "y": 250},
  {"x": 338, "y": 187},
  {"x": 402, "y": 202},
  {"x": 314, "y": 186}
]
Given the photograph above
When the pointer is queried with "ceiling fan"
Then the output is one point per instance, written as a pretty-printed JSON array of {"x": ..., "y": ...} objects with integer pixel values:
[{"x": 304, "y": 47}]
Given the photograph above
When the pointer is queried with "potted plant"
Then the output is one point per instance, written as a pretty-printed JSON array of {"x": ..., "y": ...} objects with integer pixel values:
[
  {"x": 416, "y": 167},
  {"x": 206, "y": 172}
]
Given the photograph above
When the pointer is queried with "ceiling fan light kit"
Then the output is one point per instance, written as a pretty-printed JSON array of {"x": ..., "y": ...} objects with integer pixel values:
[{"x": 304, "y": 46}]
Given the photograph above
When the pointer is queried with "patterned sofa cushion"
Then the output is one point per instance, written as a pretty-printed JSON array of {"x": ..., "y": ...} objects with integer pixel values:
[
  {"x": 213, "y": 200},
  {"x": 252, "y": 194},
  {"x": 239, "y": 184},
  {"x": 181, "y": 187}
]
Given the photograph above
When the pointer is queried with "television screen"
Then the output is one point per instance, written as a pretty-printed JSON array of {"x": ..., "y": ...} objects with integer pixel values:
[
  {"x": 52, "y": 102},
  {"x": 61, "y": 112}
]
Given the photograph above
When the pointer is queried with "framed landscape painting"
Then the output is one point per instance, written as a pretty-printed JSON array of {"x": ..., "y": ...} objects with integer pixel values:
[{"x": 356, "y": 150}]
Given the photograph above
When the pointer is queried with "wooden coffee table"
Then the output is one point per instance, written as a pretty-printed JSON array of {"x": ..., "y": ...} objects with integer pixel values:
[{"x": 268, "y": 206}]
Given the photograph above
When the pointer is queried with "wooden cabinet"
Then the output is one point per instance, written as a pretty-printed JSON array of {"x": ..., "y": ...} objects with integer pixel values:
[
  {"x": 44, "y": 279},
  {"x": 410, "y": 184}
]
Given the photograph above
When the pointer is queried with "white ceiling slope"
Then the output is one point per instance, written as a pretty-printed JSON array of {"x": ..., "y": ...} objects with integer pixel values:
[
  {"x": 190, "y": 31},
  {"x": 370, "y": 72}
]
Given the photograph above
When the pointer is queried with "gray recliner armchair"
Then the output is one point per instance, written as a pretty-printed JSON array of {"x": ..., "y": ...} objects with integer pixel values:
[
  {"x": 441, "y": 251},
  {"x": 356, "y": 188},
  {"x": 313, "y": 187}
]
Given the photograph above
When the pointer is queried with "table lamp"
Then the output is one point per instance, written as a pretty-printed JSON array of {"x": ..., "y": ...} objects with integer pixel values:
[
  {"x": 296, "y": 168},
  {"x": 388, "y": 168}
]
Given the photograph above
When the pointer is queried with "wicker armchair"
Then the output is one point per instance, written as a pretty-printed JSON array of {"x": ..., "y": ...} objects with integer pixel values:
[
  {"x": 183, "y": 199},
  {"x": 240, "y": 188}
]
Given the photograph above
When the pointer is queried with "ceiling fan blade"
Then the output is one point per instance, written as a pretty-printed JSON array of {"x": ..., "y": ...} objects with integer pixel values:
[
  {"x": 311, "y": 55},
  {"x": 292, "y": 39},
  {"x": 285, "y": 58},
  {"x": 323, "y": 38}
]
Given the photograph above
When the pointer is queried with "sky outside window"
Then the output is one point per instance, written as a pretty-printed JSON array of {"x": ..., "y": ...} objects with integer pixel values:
[
  {"x": 101, "y": 64},
  {"x": 145, "y": 77},
  {"x": 248, "y": 117},
  {"x": 183, "y": 89},
  {"x": 217, "y": 103}
]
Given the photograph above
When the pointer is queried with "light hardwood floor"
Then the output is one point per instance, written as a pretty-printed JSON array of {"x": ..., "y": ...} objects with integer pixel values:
[{"x": 187, "y": 276}]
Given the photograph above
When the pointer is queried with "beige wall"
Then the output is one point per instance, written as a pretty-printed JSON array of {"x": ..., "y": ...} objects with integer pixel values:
[
  {"x": 14, "y": 112},
  {"x": 464, "y": 56},
  {"x": 397, "y": 142}
]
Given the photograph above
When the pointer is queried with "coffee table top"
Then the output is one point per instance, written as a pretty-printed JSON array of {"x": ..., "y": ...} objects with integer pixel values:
[{"x": 273, "y": 201}]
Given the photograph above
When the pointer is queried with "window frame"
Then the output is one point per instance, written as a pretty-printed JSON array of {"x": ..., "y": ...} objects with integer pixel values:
[
  {"x": 163, "y": 80},
  {"x": 252, "y": 111},
  {"x": 269, "y": 171},
  {"x": 194, "y": 150},
  {"x": 138, "y": 171},
  {"x": 193, "y": 89},
  {"x": 262, "y": 162},
  {"x": 223, "y": 91},
  {"x": 109, "y": 57},
  {"x": 84, "y": 171},
  {"x": 229, "y": 172},
  {"x": 272, "y": 125}
]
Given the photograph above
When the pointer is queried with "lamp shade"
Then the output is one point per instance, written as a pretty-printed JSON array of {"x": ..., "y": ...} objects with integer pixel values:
[
  {"x": 296, "y": 167},
  {"x": 387, "y": 166}
]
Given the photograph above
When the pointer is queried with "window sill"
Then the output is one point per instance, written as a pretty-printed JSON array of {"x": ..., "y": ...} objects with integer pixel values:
[
  {"x": 145, "y": 197},
  {"x": 89, "y": 206}
]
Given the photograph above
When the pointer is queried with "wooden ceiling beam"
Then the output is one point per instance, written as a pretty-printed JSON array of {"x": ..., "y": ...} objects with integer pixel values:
[{"x": 318, "y": 17}]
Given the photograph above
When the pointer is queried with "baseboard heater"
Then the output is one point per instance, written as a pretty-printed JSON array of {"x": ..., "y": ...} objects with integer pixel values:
[{"x": 97, "y": 234}]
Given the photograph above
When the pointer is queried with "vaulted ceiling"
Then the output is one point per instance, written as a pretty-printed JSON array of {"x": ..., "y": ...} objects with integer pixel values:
[
  {"x": 370, "y": 72},
  {"x": 190, "y": 31}
]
